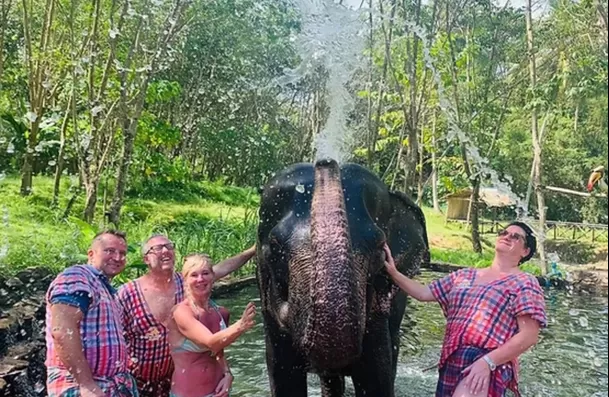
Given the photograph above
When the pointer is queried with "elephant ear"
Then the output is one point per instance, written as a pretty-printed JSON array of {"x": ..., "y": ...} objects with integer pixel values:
[
  {"x": 407, "y": 238},
  {"x": 407, "y": 234}
]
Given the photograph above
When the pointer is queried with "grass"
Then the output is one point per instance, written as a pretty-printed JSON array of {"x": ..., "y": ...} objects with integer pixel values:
[
  {"x": 34, "y": 233},
  {"x": 206, "y": 217}
]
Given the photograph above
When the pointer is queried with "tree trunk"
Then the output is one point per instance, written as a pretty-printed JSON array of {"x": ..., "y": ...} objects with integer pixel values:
[
  {"x": 475, "y": 199},
  {"x": 37, "y": 70},
  {"x": 434, "y": 165},
  {"x": 60, "y": 155},
  {"x": 537, "y": 148},
  {"x": 412, "y": 120},
  {"x": 90, "y": 201},
  {"x": 26, "y": 170},
  {"x": 421, "y": 183},
  {"x": 5, "y": 8},
  {"x": 122, "y": 173},
  {"x": 387, "y": 35},
  {"x": 602, "y": 18},
  {"x": 129, "y": 131}
]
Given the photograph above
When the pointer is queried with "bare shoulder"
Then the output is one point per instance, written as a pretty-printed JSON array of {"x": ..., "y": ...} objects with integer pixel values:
[{"x": 182, "y": 311}]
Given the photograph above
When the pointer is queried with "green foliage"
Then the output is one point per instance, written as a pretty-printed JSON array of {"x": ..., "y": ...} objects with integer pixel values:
[
  {"x": 462, "y": 257},
  {"x": 34, "y": 233},
  {"x": 184, "y": 191},
  {"x": 214, "y": 116}
]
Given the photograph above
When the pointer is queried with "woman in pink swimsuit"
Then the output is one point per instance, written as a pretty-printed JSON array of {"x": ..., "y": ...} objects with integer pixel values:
[{"x": 198, "y": 333}]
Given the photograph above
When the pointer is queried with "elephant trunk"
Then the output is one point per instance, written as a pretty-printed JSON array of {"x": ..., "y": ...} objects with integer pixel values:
[{"x": 334, "y": 332}]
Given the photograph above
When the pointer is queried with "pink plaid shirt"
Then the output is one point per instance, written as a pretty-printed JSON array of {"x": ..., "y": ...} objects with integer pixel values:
[
  {"x": 485, "y": 316},
  {"x": 101, "y": 329},
  {"x": 146, "y": 337}
]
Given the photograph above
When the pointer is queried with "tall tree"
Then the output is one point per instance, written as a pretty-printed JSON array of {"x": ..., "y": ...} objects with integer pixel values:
[{"x": 38, "y": 73}]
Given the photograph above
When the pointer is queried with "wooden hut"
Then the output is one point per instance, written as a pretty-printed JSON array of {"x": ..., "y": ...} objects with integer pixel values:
[{"x": 490, "y": 198}]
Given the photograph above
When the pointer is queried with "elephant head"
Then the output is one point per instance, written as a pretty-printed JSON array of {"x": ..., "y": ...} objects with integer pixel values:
[{"x": 320, "y": 258}]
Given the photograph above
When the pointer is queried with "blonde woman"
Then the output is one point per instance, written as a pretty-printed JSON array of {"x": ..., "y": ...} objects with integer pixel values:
[{"x": 198, "y": 333}]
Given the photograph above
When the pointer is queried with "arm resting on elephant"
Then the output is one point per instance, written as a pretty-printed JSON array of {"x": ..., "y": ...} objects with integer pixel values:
[
  {"x": 233, "y": 263},
  {"x": 193, "y": 329},
  {"x": 413, "y": 288}
]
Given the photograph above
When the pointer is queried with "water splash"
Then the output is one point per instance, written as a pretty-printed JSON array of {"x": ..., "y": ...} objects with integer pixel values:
[
  {"x": 454, "y": 131},
  {"x": 332, "y": 37}
]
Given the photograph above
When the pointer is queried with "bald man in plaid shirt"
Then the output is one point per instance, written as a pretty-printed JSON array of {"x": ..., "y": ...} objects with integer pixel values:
[{"x": 86, "y": 351}]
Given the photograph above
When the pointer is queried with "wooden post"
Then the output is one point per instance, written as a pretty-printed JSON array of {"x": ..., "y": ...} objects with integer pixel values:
[
  {"x": 574, "y": 230},
  {"x": 469, "y": 211},
  {"x": 573, "y": 192}
]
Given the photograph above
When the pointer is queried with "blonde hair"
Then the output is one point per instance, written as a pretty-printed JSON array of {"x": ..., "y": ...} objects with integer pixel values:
[{"x": 193, "y": 262}]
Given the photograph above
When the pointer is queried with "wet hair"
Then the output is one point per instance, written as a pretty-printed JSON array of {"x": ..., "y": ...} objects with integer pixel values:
[
  {"x": 112, "y": 232},
  {"x": 529, "y": 240},
  {"x": 194, "y": 261}
]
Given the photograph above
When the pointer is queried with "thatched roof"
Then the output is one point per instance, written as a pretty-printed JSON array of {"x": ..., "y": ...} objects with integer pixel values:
[{"x": 492, "y": 197}]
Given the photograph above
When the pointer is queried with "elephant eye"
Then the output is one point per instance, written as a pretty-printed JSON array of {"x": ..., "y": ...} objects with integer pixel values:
[{"x": 274, "y": 243}]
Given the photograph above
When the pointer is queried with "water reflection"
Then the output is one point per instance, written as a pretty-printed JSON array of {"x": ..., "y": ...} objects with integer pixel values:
[{"x": 570, "y": 360}]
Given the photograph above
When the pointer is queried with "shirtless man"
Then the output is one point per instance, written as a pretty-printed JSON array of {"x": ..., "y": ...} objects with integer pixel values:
[{"x": 147, "y": 302}]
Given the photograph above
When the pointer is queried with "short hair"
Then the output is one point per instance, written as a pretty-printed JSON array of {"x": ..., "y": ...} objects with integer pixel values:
[
  {"x": 117, "y": 233},
  {"x": 145, "y": 245},
  {"x": 529, "y": 240}
]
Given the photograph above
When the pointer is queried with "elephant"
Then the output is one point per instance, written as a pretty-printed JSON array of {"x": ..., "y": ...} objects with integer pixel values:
[{"x": 328, "y": 305}]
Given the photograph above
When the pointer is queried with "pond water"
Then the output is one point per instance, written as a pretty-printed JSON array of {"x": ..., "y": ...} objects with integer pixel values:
[{"x": 570, "y": 359}]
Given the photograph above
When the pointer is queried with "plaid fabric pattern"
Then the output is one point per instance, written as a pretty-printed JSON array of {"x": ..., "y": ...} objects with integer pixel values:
[
  {"x": 160, "y": 388},
  {"x": 485, "y": 316},
  {"x": 150, "y": 358},
  {"x": 502, "y": 379},
  {"x": 62, "y": 385},
  {"x": 100, "y": 330}
]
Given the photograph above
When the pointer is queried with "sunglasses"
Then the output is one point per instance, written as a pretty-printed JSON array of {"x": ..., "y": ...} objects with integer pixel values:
[{"x": 512, "y": 236}]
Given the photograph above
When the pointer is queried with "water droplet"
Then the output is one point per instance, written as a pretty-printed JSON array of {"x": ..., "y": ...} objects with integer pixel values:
[
  {"x": 31, "y": 116},
  {"x": 300, "y": 188},
  {"x": 583, "y": 321}
]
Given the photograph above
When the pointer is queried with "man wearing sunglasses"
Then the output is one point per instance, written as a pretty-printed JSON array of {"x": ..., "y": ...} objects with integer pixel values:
[
  {"x": 147, "y": 303},
  {"x": 493, "y": 315}
]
